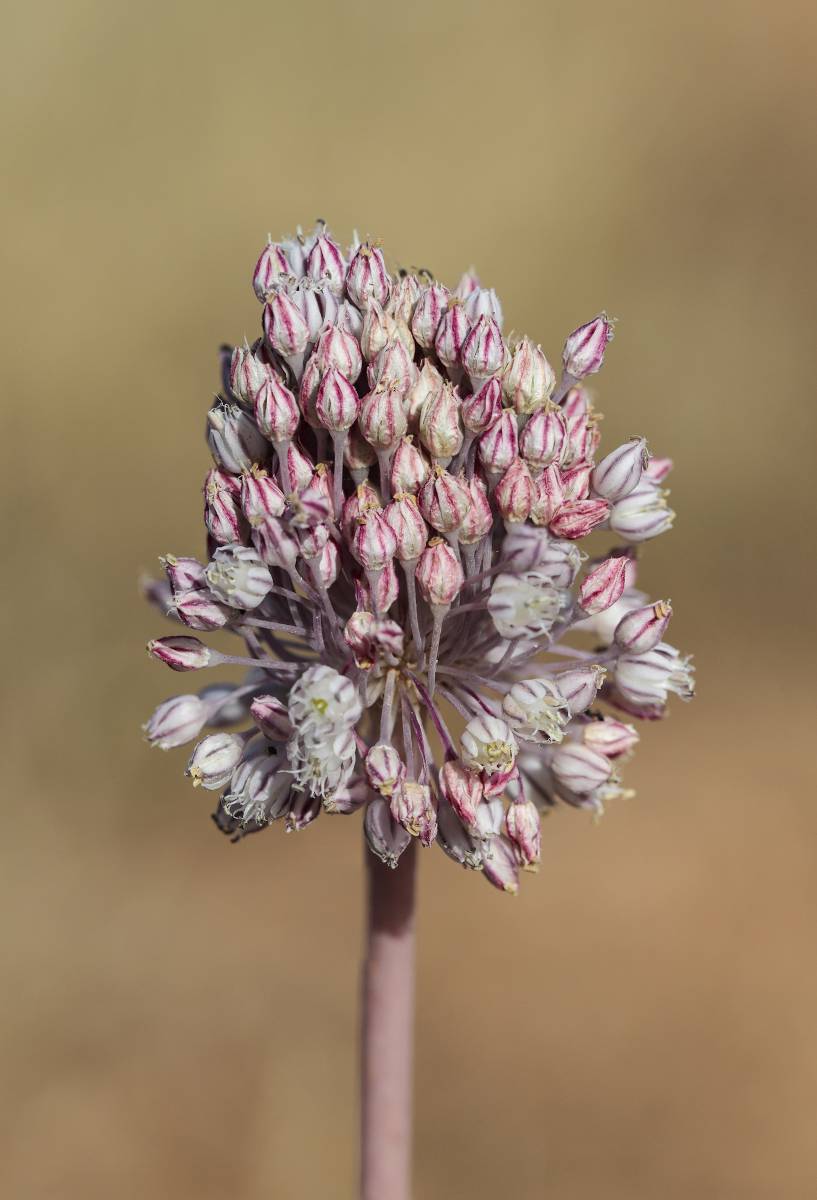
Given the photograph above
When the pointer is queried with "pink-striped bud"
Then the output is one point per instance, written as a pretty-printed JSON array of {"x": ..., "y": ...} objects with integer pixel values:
[
  {"x": 583, "y": 353},
  {"x": 276, "y": 547},
  {"x": 428, "y": 313},
  {"x": 393, "y": 369},
  {"x": 411, "y": 805},
  {"x": 379, "y": 328},
  {"x": 548, "y": 495},
  {"x": 439, "y": 574},
  {"x": 440, "y": 428},
  {"x": 338, "y": 348},
  {"x": 382, "y": 419},
  {"x": 576, "y": 518},
  {"x": 543, "y": 438},
  {"x": 405, "y": 294},
  {"x": 176, "y": 721},
  {"x": 308, "y": 390},
  {"x": 285, "y": 327},
  {"x": 580, "y": 768},
  {"x": 451, "y": 334},
  {"x": 367, "y": 278},
  {"x": 386, "y": 591},
  {"x": 350, "y": 319},
  {"x": 198, "y": 609},
  {"x": 183, "y": 574},
  {"x": 222, "y": 510},
  {"x": 479, "y": 518},
  {"x": 576, "y": 481},
  {"x": 428, "y": 384},
  {"x": 325, "y": 263},
  {"x": 385, "y": 837},
  {"x": 409, "y": 467},
  {"x": 484, "y": 352},
  {"x": 276, "y": 411},
  {"x": 499, "y": 444},
  {"x": 463, "y": 790},
  {"x": 272, "y": 267},
  {"x": 329, "y": 563},
  {"x": 247, "y": 375},
  {"x": 483, "y": 302},
  {"x": 529, "y": 380},
  {"x": 657, "y": 469},
  {"x": 468, "y": 284},
  {"x": 362, "y": 500},
  {"x": 313, "y": 542},
  {"x": 314, "y": 504},
  {"x": 261, "y": 497},
  {"x": 619, "y": 473},
  {"x": 610, "y": 737},
  {"x": 515, "y": 493},
  {"x": 373, "y": 542},
  {"x": 234, "y": 440},
  {"x": 443, "y": 501},
  {"x": 385, "y": 769},
  {"x": 272, "y": 718},
  {"x": 406, "y": 523},
  {"x": 605, "y": 584},
  {"x": 643, "y": 628},
  {"x": 372, "y": 639},
  {"x": 501, "y": 865},
  {"x": 641, "y": 516},
  {"x": 180, "y": 653},
  {"x": 579, "y": 686},
  {"x": 307, "y": 296},
  {"x": 482, "y": 408},
  {"x": 337, "y": 403},
  {"x": 582, "y": 435},
  {"x": 523, "y": 827}
]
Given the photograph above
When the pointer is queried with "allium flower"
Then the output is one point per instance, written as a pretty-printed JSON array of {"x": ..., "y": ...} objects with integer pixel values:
[{"x": 394, "y": 527}]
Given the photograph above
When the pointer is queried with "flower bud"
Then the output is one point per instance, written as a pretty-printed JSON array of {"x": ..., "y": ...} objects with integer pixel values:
[
  {"x": 385, "y": 768},
  {"x": 405, "y": 294},
  {"x": 440, "y": 428},
  {"x": 499, "y": 444},
  {"x": 523, "y": 827},
  {"x": 313, "y": 541},
  {"x": 306, "y": 296},
  {"x": 213, "y": 761},
  {"x": 379, "y": 329},
  {"x": 482, "y": 408},
  {"x": 428, "y": 313},
  {"x": 501, "y": 865},
  {"x": 183, "y": 574},
  {"x": 657, "y": 469},
  {"x": 463, "y": 790},
  {"x": 237, "y": 576},
  {"x": 606, "y": 583},
  {"x": 234, "y": 440},
  {"x": 451, "y": 334},
  {"x": 362, "y": 500},
  {"x": 584, "y": 349},
  {"x": 515, "y": 493},
  {"x": 488, "y": 745},
  {"x": 443, "y": 501},
  {"x": 337, "y": 403},
  {"x": 386, "y": 838},
  {"x": 367, "y": 278},
  {"x": 579, "y": 686},
  {"x": 222, "y": 511},
  {"x": 393, "y": 369},
  {"x": 536, "y": 710},
  {"x": 580, "y": 768},
  {"x": 576, "y": 481},
  {"x": 272, "y": 718},
  {"x": 271, "y": 269},
  {"x": 350, "y": 798},
  {"x": 483, "y": 302},
  {"x": 619, "y": 472},
  {"x": 373, "y": 639},
  {"x": 275, "y": 546},
  {"x": 350, "y": 319},
  {"x": 180, "y": 653},
  {"x": 260, "y": 497},
  {"x": 276, "y": 411},
  {"x": 479, "y": 518},
  {"x": 575, "y": 518},
  {"x": 439, "y": 575},
  {"x": 198, "y": 609},
  {"x": 484, "y": 352},
  {"x": 411, "y": 806},
  {"x": 641, "y": 516},
  {"x": 373, "y": 542},
  {"x": 409, "y": 467},
  {"x": 542, "y": 440},
  {"x": 406, "y": 523},
  {"x": 176, "y": 721},
  {"x": 339, "y": 349},
  {"x": 298, "y": 467},
  {"x": 581, "y": 432},
  {"x": 529, "y": 379},
  {"x": 382, "y": 419},
  {"x": 325, "y": 263},
  {"x": 548, "y": 495},
  {"x": 247, "y": 375},
  {"x": 610, "y": 737},
  {"x": 459, "y": 844},
  {"x": 643, "y": 628},
  {"x": 285, "y": 327},
  {"x": 429, "y": 383}
]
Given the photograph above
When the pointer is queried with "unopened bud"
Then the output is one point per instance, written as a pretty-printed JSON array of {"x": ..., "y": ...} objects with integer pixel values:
[
  {"x": 385, "y": 768},
  {"x": 451, "y": 334},
  {"x": 483, "y": 302},
  {"x": 501, "y": 865},
  {"x": 373, "y": 639},
  {"x": 523, "y": 827},
  {"x": 340, "y": 349},
  {"x": 515, "y": 492},
  {"x": 406, "y": 523},
  {"x": 439, "y": 574},
  {"x": 272, "y": 267},
  {"x": 409, "y": 467},
  {"x": 428, "y": 313},
  {"x": 198, "y": 609},
  {"x": 276, "y": 411},
  {"x": 362, "y": 500},
  {"x": 610, "y": 737},
  {"x": 479, "y": 518},
  {"x": 272, "y": 718},
  {"x": 641, "y": 516},
  {"x": 176, "y": 721},
  {"x": 429, "y": 383},
  {"x": 542, "y": 440},
  {"x": 548, "y": 496},
  {"x": 367, "y": 278},
  {"x": 405, "y": 294},
  {"x": 411, "y": 806},
  {"x": 260, "y": 497},
  {"x": 234, "y": 439},
  {"x": 579, "y": 686},
  {"x": 393, "y": 369},
  {"x": 575, "y": 518},
  {"x": 325, "y": 263},
  {"x": 373, "y": 542},
  {"x": 248, "y": 374},
  {"x": 382, "y": 419},
  {"x": 180, "y": 653},
  {"x": 222, "y": 511},
  {"x": 275, "y": 545},
  {"x": 499, "y": 444},
  {"x": 462, "y": 788},
  {"x": 386, "y": 838},
  {"x": 618, "y": 473},
  {"x": 643, "y": 628},
  {"x": 580, "y": 768},
  {"x": 482, "y": 408},
  {"x": 337, "y": 403},
  {"x": 440, "y": 427},
  {"x": 285, "y": 327},
  {"x": 484, "y": 352},
  {"x": 213, "y": 761},
  {"x": 606, "y": 583},
  {"x": 529, "y": 380},
  {"x": 583, "y": 353},
  {"x": 443, "y": 501}
]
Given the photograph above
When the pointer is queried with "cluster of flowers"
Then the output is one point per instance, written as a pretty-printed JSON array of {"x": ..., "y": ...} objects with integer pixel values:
[{"x": 393, "y": 525}]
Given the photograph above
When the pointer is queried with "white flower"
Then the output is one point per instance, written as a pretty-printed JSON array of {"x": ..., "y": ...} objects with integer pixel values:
[
  {"x": 321, "y": 763},
  {"x": 488, "y": 744},
  {"x": 237, "y": 576},
  {"x": 536, "y": 710},
  {"x": 322, "y": 698},
  {"x": 647, "y": 678},
  {"x": 524, "y": 605}
]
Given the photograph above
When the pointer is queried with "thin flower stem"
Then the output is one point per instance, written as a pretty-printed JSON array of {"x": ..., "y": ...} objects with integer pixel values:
[{"x": 411, "y": 591}]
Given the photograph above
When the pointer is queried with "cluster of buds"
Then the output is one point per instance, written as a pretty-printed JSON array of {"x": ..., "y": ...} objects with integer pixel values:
[{"x": 393, "y": 527}]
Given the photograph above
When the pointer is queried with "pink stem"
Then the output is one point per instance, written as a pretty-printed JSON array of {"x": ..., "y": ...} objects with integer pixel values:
[{"x": 388, "y": 1030}]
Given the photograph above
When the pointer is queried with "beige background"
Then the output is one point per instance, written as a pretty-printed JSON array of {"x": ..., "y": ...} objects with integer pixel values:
[{"x": 178, "y": 1015}]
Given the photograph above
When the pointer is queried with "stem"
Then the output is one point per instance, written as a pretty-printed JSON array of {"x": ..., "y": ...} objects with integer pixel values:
[{"x": 388, "y": 1030}]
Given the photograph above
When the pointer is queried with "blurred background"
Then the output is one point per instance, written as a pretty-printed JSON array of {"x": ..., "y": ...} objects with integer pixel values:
[{"x": 178, "y": 1016}]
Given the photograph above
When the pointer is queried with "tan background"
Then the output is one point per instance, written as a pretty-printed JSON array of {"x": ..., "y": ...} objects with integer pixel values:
[{"x": 178, "y": 1015}]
